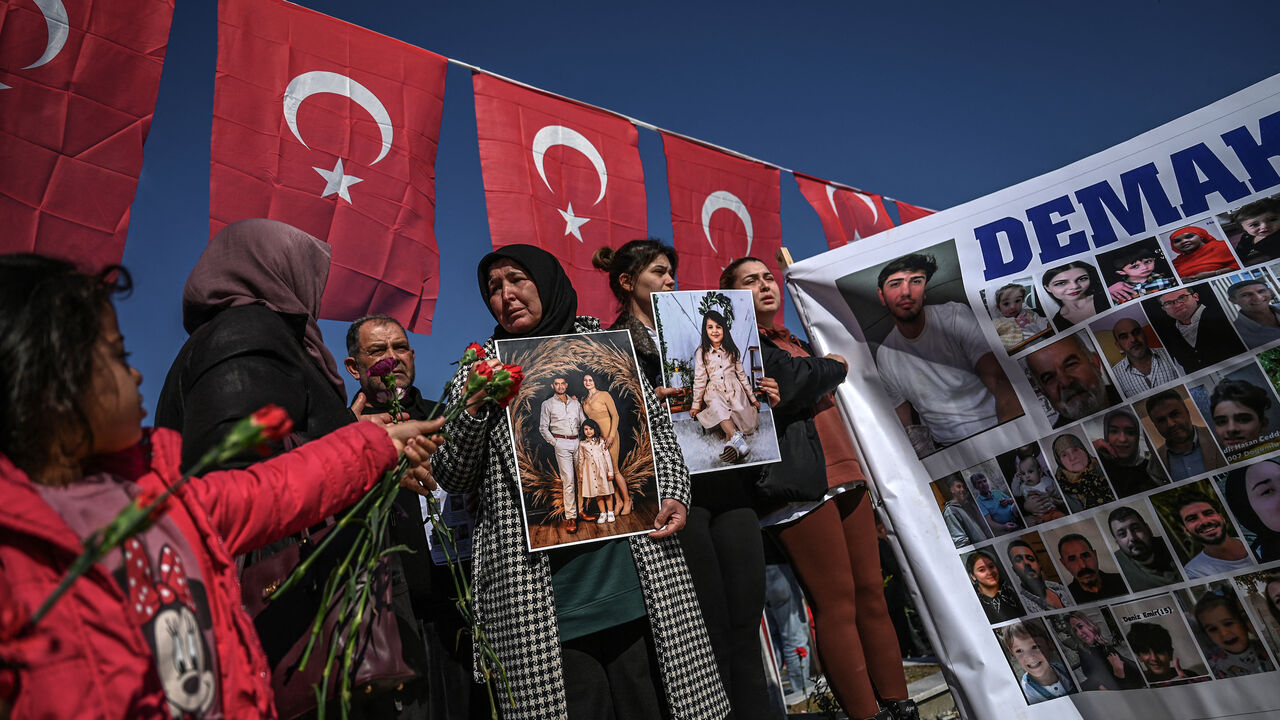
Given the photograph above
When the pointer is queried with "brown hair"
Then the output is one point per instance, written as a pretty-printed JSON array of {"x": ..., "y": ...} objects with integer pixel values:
[{"x": 631, "y": 259}]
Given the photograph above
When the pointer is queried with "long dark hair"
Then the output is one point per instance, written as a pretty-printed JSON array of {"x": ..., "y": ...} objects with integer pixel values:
[
  {"x": 1267, "y": 541},
  {"x": 50, "y": 320},
  {"x": 729, "y": 345},
  {"x": 631, "y": 259},
  {"x": 595, "y": 427}
]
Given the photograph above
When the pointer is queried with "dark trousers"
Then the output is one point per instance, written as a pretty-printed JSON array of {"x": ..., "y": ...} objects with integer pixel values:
[
  {"x": 725, "y": 554},
  {"x": 613, "y": 675}
]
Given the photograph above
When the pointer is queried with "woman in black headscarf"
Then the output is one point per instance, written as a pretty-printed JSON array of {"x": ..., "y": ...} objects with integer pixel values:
[{"x": 527, "y": 601}]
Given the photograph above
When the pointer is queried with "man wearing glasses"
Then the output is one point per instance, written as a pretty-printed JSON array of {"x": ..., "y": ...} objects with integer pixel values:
[{"x": 1193, "y": 327}]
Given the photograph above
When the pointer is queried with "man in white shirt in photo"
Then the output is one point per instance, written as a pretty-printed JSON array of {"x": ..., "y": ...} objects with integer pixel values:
[
  {"x": 558, "y": 424},
  {"x": 1142, "y": 367},
  {"x": 935, "y": 363}
]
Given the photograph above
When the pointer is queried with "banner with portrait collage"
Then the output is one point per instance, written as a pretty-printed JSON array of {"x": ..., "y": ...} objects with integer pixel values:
[{"x": 1068, "y": 393}]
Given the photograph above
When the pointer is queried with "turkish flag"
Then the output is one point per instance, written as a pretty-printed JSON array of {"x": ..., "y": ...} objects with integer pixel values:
[
  {"x": 333, "y": 129},
  {"x": 77, "y": 92},
  {"x": 907, "y": 213},
  {"x": 560, "y": 175},
  {"x": 722, "y": 208},
  {"x": 846, "y": 214}
]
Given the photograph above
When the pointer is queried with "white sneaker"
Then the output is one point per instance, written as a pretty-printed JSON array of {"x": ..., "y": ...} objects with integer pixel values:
[
  {"x": 612, "y": 517},
  {"x": 740, "y": 445},
  {"x": 600, "y": 518}
]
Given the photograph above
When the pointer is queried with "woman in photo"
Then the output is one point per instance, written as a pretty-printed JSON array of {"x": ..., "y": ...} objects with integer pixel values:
[
  {"x": 1079, "y": 474},
  {"x": 1254, "y": 496},
  {"x": 1236, "y": 649},
  {"x": 997, "y": 596},
  {"x": 1034, "y": 487},
  {"x": 1100, "y": 662},
  {"x": 599, "y": 406},
  {"x": 722, "y": 395},
  {"x": 1078, "y": 293},
  {"x": 595, "y": 471}
]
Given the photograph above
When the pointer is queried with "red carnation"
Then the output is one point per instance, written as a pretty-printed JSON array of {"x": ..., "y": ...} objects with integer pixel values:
[
  {"x": 273, "y": 422},
  {"x": 517, "y": 377},
  {"x": 383, "y": 367},
  {"x": 146, "y": 498},
  {"x": 478, "y": 349},
  {"x": 484, "y": 370}
]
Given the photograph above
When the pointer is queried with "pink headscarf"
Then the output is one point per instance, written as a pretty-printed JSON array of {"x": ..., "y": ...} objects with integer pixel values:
[{"x": 268, "y": 263}]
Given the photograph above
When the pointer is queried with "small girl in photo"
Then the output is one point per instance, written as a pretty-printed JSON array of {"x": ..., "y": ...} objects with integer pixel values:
[
  {"x": 722, "y": 395},
  {"x": 1260, "y": 231},
  {"x": 1236, "y": 650},
  {"x": 595, "y": 470},
  {"x": 1016, "y": 324}
]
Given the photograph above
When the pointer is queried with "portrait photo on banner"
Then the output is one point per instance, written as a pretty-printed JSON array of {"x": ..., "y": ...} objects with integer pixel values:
[
  {"x": 1198, "y": 250},
  {"x": 937, "y": 367},
  {"x": 1095, "y": 650},
  {"x": 1032, "y": 484},
  {"x": 1157, "y": 632},
  {"x": 711, "y": 356},
  {"x": 1241, "y": 408},
  {"x": 1196, "y": 523},
  {"x": 1261, "y": 592},
  {"x": 1228, "y": 637},
  {"x": 1033, "y": 657},
  {"x": 581, "y": 438},
  {"x": 1017, "y": 313},
  {"x": 1253, "y": 230}
]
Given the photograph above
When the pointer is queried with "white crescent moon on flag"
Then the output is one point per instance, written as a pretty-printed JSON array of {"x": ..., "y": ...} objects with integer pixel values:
[
  {"x": 55, "y": 15},
  {"x": 725, "y": 200},
  {"x": 319, "y": 81},
  {"x": 831, "y": 198},
  {"x": 552, "y": 135}
]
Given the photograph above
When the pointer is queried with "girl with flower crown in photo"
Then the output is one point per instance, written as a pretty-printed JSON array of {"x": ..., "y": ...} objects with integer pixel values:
[
  {"x": 595, "y": 471},
  {"x": 722, "y": 395},
  {"x": 155, "y": 627}
]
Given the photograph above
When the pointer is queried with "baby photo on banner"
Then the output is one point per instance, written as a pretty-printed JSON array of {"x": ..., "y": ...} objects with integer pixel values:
[
  {"x": 581, "y": 438},
  {"x": 711, "y": 357}
]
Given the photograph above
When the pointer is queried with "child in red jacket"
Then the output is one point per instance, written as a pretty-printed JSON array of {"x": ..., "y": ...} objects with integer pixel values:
[{"x": 156, "y": 629}]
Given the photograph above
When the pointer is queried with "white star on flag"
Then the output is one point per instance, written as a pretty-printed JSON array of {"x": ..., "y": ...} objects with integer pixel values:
[
  {"x": 572, "y": 223},
  {"x": 338, "y": 181}
]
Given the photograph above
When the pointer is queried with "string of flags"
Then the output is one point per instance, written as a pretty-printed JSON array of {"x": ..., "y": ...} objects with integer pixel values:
[{"x": 334, "y": 128}]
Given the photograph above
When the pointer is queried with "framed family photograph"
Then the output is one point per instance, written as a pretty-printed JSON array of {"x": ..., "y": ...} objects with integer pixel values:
[
  {"x": 581, "y": 438},
  {"x": 711, "y": 357}
]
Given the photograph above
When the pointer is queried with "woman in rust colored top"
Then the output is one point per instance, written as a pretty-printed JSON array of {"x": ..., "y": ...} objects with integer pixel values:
[{"x": 831, "y": 540}]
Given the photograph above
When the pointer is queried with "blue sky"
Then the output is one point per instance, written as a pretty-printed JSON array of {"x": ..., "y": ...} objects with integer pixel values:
[{"x": 932, "y": 103}]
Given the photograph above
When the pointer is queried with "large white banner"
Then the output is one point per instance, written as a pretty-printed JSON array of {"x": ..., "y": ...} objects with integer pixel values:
[{"x": 1067, "y": 394}]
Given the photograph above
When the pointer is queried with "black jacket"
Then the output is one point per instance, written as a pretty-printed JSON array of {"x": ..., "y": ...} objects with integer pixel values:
[
  {"x": 802, "y": 382},
  {"x": 244, "y": 358}
]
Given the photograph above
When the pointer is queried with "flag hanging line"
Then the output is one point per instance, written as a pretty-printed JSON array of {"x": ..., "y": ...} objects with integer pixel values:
[{"x": 649, "y": 126}]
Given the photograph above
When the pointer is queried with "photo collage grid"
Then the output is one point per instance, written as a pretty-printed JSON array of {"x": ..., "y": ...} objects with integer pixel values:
[{"x": 1138, "y": 544}]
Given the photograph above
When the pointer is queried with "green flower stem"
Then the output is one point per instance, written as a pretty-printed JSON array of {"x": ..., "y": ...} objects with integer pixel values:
[{"x": 134, "y": 518}]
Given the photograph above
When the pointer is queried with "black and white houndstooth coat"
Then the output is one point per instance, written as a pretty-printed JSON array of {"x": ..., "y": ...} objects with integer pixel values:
[{"x": 512, "y": 587}]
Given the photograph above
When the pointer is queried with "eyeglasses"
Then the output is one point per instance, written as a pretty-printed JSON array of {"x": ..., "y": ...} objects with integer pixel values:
[{"x": 1166, "y": 304}]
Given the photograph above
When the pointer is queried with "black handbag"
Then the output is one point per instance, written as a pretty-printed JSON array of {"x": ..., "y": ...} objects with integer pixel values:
[{"x": 284, "y": 625}]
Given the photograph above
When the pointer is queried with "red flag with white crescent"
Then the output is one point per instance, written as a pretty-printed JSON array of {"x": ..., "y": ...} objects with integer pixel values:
[
  {"x": 560, "y": 175},
  {"x": 78, "y": 84},
  {"x": 907, "y": 213},
  {"x": 722, "y": 207},
  {"x": 332, "y": 128},
  {"x": 846, "y": 214}
]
